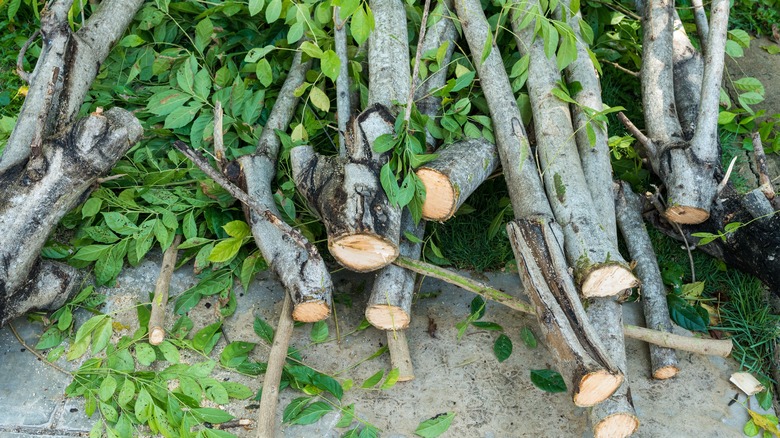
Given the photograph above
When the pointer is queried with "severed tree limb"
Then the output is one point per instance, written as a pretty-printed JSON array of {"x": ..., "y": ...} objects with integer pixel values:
[
  {"x": 388, "y": 54},
  {"x": 599, "y": 270},
  {"x": 663, "y": 360},
  {"x": 688, "y": 70},
  {"x": 295, "y": 261},
  {"x": 266, "y": 424},
  {"x": 343, "y": 101},
  {"x": 711, "y": 347},
  {"x": 454, "y": 175},
  {"x": 764, "y": 181},
  {"x": 157, "y": 318},
  {"x": 702, "y": 26},
  {"x": 399, "y": 354}
]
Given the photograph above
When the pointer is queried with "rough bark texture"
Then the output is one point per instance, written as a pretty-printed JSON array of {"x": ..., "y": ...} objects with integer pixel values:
[
  {"x": 363, "y": 228},
  {"x": 632, "y": 227},
  {"x": 388, "y": 54},
  {"x": 300, "y": 268},
  {"x": 33, "y": 201},
  {"x": 72, "y": 61},
  {"x": 589, "y": 374},
  {"x": 454, "y": 175},
  {"x": 399, "y": 355},
  {"x": 156, "y": 324},
  {"x": 343, "y": 101},
  {"x": 598, "y": 267}
]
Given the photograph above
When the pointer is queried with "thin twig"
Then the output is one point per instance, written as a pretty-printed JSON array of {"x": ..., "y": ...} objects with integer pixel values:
[
  {"x": 646, "y": 142},
  {"x": 219, "y": 142},
  {"x": 655, "y": 201},
  {"x": 110, "y": 178},
  {"x": 722, "y": 184},
  {"x": 702, "y": 26},
  {"x": 20, "y": 58},
  {"x": 239, "y": 194},
  {"x": 156, "y": 324},
  {"x": 417, "y": 57},
  {"x": 35, "y": 352},
  {"x": 273, "y": 374},
  {"x": 633, "y": 73}
]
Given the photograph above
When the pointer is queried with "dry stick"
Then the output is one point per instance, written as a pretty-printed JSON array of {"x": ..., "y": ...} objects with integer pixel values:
[
  {"x": 663, "y": 360},
  {"x": 219, "y": 142},
  {"x": 35, "y": 352},
  {"x": 765, "y": 183},
  {"x": 711, "y": 347},
  {"x": 273, "y": 374},
  {"x": 20, "y": 59},
  {"x": 157, "y": 318}
]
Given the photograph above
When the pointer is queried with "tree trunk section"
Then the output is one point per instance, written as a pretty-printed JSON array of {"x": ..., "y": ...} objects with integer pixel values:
[
  {"x": 34, "y": 198},
  {"x": 598, "y": 267},
  {"x": 454, "y": 175},
  {"x": 663, "y": 360},
  {"x": 589, "y": 374},
  {"x": 300, "y": 268}
]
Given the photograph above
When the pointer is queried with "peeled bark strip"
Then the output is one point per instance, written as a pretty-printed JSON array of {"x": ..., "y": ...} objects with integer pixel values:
[
  {"x": 74, "y": 60},
  {"x": 300, "y": 268},
  {"x": 363, "y": 228},
  {"x": 454, "y": 175},
  {"x": 589, "y": 374},
  {"x": 33, "y": 201},
  {"x": 615, "y": 416},
  {"x": 157, "y": 318},
  {"x": 663, "y": 360}
]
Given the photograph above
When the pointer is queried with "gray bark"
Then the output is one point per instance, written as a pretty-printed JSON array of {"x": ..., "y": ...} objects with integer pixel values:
[
  {"x": 343, "y": 101},
  {"x": 71, "y": 60},
  {"x": 363, "y": 228},
  {"x": 388, "y": 54},
  {"x": 34, "y": 198},
  {"x": 629, "y": 209},
  {"x": 300, "y": 268},
  {"x": 598, "y": 267}
]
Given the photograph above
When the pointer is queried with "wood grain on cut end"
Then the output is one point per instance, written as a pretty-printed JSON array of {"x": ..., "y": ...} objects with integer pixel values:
[
  {"x": 311, "y": 311},
  {"x": 387, "y": 317},
  {"x": 666, "y": 372},
  {"x": 616, "y": 426},
  {"x": 363, "y": 252},
  {"x": 596, "y": 387},
  {"x": 687, "y": 215},
  {"x": 608, "y": 280},
  {"x": 440, "y": 195},
  {"x": 156, "y": 335}
]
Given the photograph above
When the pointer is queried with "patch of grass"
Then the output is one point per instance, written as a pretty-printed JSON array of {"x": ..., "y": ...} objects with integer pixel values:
[
  {"x": 755, "y": 16},
  {"x": 465, "y": 239}
]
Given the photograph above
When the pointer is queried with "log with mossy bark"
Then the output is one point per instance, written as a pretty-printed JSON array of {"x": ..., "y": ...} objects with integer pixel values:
[
  {"x": 454, "y": 175},
  {"x": 298, "y": 265},
  {"x": 598, "y": 266}
]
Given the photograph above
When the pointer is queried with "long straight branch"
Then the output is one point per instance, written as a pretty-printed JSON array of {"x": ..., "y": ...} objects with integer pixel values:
[{"x": 273, "y": 374}]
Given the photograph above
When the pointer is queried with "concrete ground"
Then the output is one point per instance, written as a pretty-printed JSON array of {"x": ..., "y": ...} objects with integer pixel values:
[{"x": 490, "y": 399}]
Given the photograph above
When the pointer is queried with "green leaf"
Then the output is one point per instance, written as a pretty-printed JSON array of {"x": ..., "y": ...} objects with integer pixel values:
[
  {"x": 391, "y": 379},
  {"x": 88, "y": 327},
  {"x": 685, "y": 315},
  {"x": 328, "y": 383},
  {"x": 412, "y": 238},
  {"x": 50, "y": 338},
  {"x": 66, "y": 318},
  {"x": 186, "y": 301},
  {"x": 237, "y": 229},
  {"x": 273, "y": 11},
  {"x": 126, "y": 393},
  {"x": 211, "y": 415},
  {"x": 389, "y": 183},
  {"x": 169, "y": 352},
  {"x": 740, "y": 36},
  {"x": 102, "y": 336},
  {"x": 206, "y": 337},
  {"x": 91, "y": 253},
  {"x": 235, "y": 353},
  {"x": 295, "y": 407},
  {"x": 484, "y": 325},
  {"x": 225, "y": 250},
  {"x": 528, "y": 338},
  {"x": 487, "y": 48},
  {"x": 319, "y": 99},
  {"x": 726, "y": 117},
  {"x": 347, "y": 416},
  {"x": 311, "y": 49},
  {"x": 348, "y": 7},
  {"x": 749, "y": 84},
  {"x": 108, "y": 412},
  {"x": 502, "y": 347},
  {"x": 255, "y": 6},
  {"x": 435, "y": 426},
  {"x": 264, "y": 72},
  {"x": 311, "y": 413},
  {"x": 143, "y": 406},
  {"x": 330, "y": 64},
  {"x": 107, "y": 388},
  {"x": 264, "y": 330},
  {"x": 548, "y": 380},
  {"x": 237, "y": 390},
  {"x": 772, "y": 49},
  {"x": 319, "y": 331},
  {"x": 144, "y": 353},
  {"x": 91, "y": 207},
  {"x": 203, "y": 84},
  {"x": 478, "y": 307},
  {"x": 131, "y": 41},
  {"x": 750, "y": 428},
  {"x": 361, "y": 25},
  {"x": 384, "y": 143},
  {"x": 567, "y": 52},
  {"x": 373, "y": 380},
  {"x": 182, "y": 115}
]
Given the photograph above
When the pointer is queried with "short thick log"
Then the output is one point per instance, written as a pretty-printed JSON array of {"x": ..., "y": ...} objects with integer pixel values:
[
  {"x": 300, "y": 268},
  {"x": 34, "y": 198},
  {"x": 629, "y": 208},
  {"x": 598, "y": 267},
  {"x": 454, "y": 175},
  {"x": 589, "y": 374},
  {"x": 363, "y": 228}
]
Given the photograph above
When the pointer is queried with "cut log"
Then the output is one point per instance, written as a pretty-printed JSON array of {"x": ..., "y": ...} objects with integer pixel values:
[
  {"x": 73, "y": 162},
  {"x": 454, "y": 175},
  {"x": 399, "y": 355},
  {"x": 300, "y": 268},
  {"x": 589, "y": 374},
  {"x": 363, "y": 228},
  {"x": 388, "y": 54},
  {"x": 598, "y": 267},
  {"x": 157, "y": 318},
  {"x": 663, "y": 360}
]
